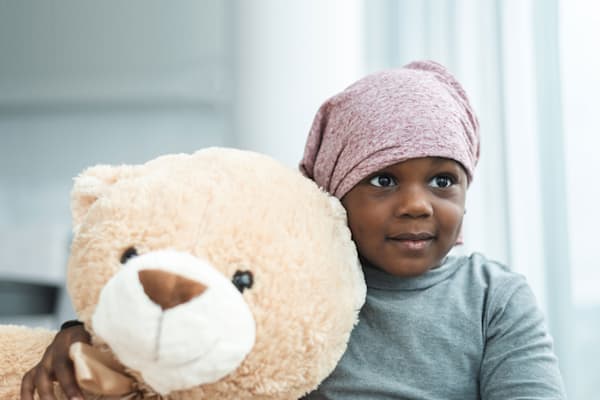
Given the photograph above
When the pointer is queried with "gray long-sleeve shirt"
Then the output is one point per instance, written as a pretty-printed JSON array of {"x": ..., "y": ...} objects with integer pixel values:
[{"x": 469, "y": 329}]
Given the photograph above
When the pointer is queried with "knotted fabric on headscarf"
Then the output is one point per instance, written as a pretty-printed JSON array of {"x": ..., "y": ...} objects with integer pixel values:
[{"x": 419, "y": 110}]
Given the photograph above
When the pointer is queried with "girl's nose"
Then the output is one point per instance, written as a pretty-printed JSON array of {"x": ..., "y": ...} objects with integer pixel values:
[{"x": 414, "y": 203}]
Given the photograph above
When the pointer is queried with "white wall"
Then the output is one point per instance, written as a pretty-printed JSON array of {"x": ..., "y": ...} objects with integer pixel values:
[
  {"x": 580, "y": 25},
  {"x": 84, "y": 82},
  {"x": 291, "y": 56}
]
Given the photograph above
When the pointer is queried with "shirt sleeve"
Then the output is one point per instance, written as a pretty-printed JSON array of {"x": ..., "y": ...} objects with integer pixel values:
[{"x": 518, "y": 359}]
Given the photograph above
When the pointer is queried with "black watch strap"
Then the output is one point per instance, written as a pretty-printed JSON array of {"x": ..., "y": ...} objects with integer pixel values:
[{"x": 70, "y": 323}]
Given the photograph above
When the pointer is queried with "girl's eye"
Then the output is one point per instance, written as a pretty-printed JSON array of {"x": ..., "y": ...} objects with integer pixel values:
[
  {"x": 382, "y": 181},
  {"x": 442, "y": 181}
]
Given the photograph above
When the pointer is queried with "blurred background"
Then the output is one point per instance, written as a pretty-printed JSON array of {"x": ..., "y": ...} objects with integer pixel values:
[{"x": 85, "y": 82}]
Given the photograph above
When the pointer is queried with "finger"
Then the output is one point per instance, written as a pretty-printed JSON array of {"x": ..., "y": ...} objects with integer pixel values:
[
  {"x": 45, "y": 363},
  {"x": 65, "y": 375},
  {"x": 79, "y": 334},
  {"x": 27, "y": 385},
  {"x": 44, "y": 384}
]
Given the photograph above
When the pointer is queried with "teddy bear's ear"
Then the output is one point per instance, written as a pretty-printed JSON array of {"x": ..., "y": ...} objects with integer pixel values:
[{"x": 89, "y": 186}]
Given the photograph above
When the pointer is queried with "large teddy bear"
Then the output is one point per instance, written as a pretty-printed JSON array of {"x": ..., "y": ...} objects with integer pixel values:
[{"x": 216, "y": 275}]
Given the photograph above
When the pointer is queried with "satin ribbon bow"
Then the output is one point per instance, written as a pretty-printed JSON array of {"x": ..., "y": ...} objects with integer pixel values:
[{"x": 101, "y": 374}]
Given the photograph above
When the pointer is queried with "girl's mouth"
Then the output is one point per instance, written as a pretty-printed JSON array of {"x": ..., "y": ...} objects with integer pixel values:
[
  {"x": 413, "y": 241},
  {"x": 413, "y": 245}
]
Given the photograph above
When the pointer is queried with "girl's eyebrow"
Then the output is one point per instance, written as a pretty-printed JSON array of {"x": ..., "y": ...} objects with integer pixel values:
[
  {"x": 447, "y": 163},
  {"x": 435, "y": 162},
  {"x": 442, "y": 160},
  {"x": 438, "y": 162}
]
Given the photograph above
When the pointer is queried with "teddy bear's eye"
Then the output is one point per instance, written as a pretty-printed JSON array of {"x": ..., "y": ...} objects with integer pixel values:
[
  {"x": 242, "y": 280},
  {"x": 130, "y": 252}
]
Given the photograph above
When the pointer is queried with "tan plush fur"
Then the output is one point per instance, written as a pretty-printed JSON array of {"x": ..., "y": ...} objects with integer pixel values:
[
  {"x": 238, "y": 210},
  {"x": 20, "y": 349}
]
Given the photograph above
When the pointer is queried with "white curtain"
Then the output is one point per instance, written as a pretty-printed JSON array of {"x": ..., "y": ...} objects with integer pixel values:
[{"x": 522, "y": 209}]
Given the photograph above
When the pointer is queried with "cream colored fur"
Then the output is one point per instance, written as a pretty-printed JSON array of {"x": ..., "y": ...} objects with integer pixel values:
[
  {"x": 20, "y": 348},
  {"x": 230, "y": 210}
]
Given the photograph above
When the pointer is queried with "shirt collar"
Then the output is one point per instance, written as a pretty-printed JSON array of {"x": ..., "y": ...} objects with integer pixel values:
[{"x": 379, "y": 279}]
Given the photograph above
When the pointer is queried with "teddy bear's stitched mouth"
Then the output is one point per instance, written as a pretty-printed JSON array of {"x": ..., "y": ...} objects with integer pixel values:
[
  {"x": 158, "y": 335},
  {"x": 200, "y": 357},
  {"x": 193, "y": 360}
]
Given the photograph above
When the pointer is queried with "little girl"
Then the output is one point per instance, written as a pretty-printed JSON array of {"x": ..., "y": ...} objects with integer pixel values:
[{"x": 399, "y": 148}]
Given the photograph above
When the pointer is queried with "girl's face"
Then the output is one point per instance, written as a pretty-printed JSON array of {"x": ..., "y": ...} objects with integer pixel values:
[{"x": 406, "y": 217}]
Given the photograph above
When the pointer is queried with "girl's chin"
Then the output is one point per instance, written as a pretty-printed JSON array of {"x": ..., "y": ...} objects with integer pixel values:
[{"x": 408, "y": 269}]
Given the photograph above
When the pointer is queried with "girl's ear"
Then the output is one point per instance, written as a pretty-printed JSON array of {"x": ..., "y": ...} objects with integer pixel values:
[{"x": 91, "y": 185}]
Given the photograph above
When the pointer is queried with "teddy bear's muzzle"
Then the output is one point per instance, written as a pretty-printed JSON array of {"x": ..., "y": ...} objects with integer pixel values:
[{"x": 175, "y": 319}]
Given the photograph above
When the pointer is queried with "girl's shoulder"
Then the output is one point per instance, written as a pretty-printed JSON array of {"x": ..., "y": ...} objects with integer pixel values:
[
  {"x": 489, "y": 275},
  {"x": 501, "y": 288},
  {"x": 479, "y": 263}
]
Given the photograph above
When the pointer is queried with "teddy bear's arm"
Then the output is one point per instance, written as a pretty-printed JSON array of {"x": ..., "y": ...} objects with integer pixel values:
[{"x": 20, "y": 349}]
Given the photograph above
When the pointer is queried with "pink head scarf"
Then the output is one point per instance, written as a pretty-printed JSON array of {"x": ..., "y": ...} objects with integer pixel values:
[{"x": 419, "y": 110}]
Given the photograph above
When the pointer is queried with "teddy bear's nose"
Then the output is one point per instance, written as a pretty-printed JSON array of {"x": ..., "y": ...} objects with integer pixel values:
[{"x": 168, "y": 289}]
